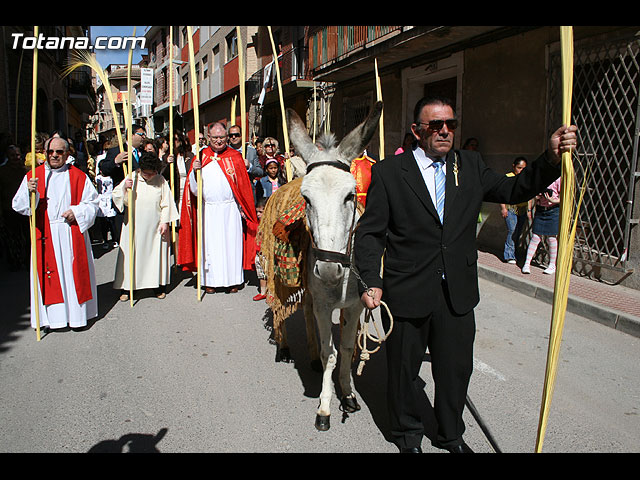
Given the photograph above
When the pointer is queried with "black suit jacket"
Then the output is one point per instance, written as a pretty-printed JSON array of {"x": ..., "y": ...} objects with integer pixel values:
[
  {"x": 401, "y": 222},
  {"x": 110, "y": 168}
]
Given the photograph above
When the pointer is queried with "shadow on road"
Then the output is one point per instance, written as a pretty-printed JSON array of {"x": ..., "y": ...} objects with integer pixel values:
[
  {"x": 370, "y": 386},
  {"x": 15, "y": 298},
  {"x": 131, "y": 443}
]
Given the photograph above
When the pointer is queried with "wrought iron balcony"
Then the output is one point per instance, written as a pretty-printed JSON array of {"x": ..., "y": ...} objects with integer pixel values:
[
  {"x": 81, "y": 92},
  {"x": 333, "y": 43},
  {"x": 293, "y": 66}
]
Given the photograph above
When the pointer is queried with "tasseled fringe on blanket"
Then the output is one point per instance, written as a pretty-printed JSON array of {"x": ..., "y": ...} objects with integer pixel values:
[{"x": 282, "y": 225}]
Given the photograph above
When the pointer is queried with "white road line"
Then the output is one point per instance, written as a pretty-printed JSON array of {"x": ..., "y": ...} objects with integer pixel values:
[{"x": 484, "y": 368}]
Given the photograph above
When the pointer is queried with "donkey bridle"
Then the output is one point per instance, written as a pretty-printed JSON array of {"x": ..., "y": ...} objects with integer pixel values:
[{"x": 343, "y": 259}]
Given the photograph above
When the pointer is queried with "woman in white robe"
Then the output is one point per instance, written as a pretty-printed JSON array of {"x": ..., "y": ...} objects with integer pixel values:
[
  {"x": 154, "y": 210},
  {"x": 70, "y": 312}
]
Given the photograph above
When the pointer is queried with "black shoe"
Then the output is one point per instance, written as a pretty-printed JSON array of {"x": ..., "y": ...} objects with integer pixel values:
[
  {"x": 410, "y": 450},
  {"x": 462, "y": 448}
]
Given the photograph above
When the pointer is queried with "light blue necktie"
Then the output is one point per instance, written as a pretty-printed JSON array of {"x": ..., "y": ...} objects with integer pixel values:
[{"x": 440, "y": 181}]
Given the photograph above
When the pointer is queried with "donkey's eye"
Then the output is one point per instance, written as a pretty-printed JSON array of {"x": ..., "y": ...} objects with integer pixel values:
[
  {"x": 306, "y": 200},
  {"x": 349, "y": 197}
]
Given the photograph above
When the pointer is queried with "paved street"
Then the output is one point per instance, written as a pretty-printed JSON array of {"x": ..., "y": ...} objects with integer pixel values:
[{"x": 177, "y": 375}]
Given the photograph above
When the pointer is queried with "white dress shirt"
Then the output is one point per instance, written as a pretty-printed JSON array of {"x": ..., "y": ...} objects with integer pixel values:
[{"x": 427, "y": 169}]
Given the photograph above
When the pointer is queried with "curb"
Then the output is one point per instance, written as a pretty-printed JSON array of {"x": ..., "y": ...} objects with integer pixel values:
[{"x": 609, "y": 317}]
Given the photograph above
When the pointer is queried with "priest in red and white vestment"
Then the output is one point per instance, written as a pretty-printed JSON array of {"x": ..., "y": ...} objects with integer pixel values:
[
  {"x": 66, "y": 207},
  {"x": 229, "y": 216}
]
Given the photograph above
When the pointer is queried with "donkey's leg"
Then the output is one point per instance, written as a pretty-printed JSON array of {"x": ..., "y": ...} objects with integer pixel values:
[
  {"x": 349, "y": 330},
  {"x": 329, "y": 357},
  {"x": 312, "y": 340},
  {"x": 283, "y": 354}
]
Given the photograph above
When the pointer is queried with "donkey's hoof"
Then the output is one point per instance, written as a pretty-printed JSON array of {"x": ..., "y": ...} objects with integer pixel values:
[
  {"x": 322, "y": 422},
  {"x": 283, "y": 355},
  {"x": 349, "y": 404},
  {"x": 316, "y": 365}
]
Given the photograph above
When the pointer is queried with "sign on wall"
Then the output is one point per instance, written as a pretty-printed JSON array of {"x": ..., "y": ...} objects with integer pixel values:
[{"x": 146, "y": 86}]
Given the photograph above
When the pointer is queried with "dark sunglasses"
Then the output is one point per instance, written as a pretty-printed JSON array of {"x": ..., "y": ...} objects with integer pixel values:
[
  {"x": 234, "y": 135},
  {"x": 269, "y": 145},
  {"x": 59, "y": 152},
  {"x": 437, "y": 125}
]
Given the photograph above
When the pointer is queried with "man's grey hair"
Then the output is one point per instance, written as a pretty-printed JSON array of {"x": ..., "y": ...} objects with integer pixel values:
[
  {"x": 48, "y": 142},
  {"x": 217, "y": 124}
]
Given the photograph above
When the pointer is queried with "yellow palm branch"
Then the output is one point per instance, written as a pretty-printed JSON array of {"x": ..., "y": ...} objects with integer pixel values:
[
  {"x": 32, "y": 218},
  {"x": 172, "y": 165},
  {"x": 129, "y": 121},
  {"x": 196, "y": 123},
  {"x": 243, "y": 97},
  {"x": 284, "y": 118},
  {"x": 569, "y": 210},
  {"x": 84, "y": 58},
  {"x": 232, "y": 115}
]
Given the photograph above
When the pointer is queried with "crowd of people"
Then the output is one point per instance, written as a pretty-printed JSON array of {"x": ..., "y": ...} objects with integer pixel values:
[
  {"x": 542, "y": 212},
  {"x": 416, "y": 219},
  {"x": 83, "y": 189}
]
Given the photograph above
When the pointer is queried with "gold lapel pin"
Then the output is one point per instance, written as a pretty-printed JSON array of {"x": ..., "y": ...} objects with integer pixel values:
[{"x": 455, "y": 168}]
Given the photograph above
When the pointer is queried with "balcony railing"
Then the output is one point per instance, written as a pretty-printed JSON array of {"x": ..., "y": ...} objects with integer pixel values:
[
  {"x": 80, "y": 83},
  {"x": 336, "y": 42},
  {"x": 292, "y": 65}
]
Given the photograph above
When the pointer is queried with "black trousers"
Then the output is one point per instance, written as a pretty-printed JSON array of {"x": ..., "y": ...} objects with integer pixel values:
[
  {"x": 449, "y": 338},
  {"x": 118, "y": 220},
  {"x": 108, "y": 224}
]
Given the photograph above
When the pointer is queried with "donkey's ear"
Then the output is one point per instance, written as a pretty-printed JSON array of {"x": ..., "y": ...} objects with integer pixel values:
[
  {"x": 299, "y": 136},
  {"x": 355, "y": 141}
]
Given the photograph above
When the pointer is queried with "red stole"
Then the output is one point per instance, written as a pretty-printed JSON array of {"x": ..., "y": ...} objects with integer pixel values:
[
  {"x": 48, "y": 276},
  {"x": 235, "y": 171}
]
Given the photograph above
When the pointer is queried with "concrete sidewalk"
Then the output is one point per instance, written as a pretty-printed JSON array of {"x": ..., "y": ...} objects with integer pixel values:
[{"x": 612, "y": 305}]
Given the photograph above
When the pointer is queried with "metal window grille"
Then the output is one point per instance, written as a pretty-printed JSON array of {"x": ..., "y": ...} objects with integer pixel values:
[
  {"x": 355, "y": 111},
  {"x": 605, "y": 106}
]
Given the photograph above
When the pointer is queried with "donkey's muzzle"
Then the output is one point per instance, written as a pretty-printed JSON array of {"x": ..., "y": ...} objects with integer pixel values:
[{"x": 330, "y": 273}]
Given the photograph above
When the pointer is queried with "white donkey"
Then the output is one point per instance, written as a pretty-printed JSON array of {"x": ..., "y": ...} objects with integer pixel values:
[{"x": 329, "y": 191}]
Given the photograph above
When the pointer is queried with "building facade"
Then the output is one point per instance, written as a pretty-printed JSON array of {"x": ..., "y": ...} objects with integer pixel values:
[
  {"x": 105, "y": 121},
  {"x": 506, "y": 85},
  {"x": 504, "y": 82},
  {"x": 63, "y": 104}
]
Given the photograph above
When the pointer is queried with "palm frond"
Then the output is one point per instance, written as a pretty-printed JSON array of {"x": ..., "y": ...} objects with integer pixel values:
[
  {"x": 569, "y": 211},
  {"x": 84, "y": 58}
]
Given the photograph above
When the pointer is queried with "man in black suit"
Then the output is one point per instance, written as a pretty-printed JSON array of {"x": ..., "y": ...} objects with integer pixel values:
[
  {"x": 112, "y": 163},
  {"x": 430, "y": 279},
  {"x": 112, "y": 166}
]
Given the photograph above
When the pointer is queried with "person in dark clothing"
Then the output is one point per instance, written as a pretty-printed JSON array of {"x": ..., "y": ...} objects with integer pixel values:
[
  {"x": 113, "y": 162},
  {"x": 421, "y": 216}
]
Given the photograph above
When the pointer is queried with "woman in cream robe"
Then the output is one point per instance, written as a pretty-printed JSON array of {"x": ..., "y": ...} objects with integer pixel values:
[{"x": 154, "y": 210}]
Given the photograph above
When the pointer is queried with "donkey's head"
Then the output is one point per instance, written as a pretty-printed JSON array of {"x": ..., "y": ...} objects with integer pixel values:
[{"x": 329, "y": 191}]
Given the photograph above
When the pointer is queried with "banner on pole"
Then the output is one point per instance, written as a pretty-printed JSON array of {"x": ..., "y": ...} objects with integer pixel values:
[{"x": 266, "y": 81}]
